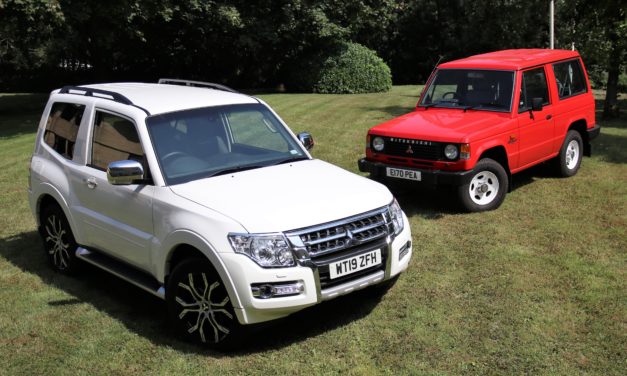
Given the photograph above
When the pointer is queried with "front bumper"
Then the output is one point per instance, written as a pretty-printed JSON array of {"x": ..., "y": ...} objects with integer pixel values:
[
  {"x": 254, "y": 310},
  {"x": 432, "y": 177}
]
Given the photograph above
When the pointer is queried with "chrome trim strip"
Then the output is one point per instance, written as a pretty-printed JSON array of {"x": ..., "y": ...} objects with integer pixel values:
[{"x": 351, "y": 286}]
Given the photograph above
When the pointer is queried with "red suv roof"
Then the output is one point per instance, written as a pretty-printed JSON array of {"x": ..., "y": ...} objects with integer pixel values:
[{"x": 511, "y": 59}]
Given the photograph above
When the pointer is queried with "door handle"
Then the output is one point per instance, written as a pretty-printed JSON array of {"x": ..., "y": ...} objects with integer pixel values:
[
  {"x": 549, "y": 117},
  {"x": 91, "y": 182}
]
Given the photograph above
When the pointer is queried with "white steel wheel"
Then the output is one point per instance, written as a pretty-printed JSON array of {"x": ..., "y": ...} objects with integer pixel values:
[
  {"x": 483, "y": 188},
  {"x": 486, "y": 188},
  {"x": 569, "y": 159},
  {"x": 572, "y": 154}
]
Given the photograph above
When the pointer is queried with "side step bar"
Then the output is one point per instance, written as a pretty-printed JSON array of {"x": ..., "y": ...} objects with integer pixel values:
[{"x": 122, "y": 270}]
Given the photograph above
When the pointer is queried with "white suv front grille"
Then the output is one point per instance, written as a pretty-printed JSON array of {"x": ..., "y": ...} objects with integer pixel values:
[{"x": 343, "y": 234}]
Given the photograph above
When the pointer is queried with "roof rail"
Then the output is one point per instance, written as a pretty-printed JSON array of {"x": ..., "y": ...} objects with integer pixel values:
[
  {"x": 89, "y": 92},
  {"x": 173, "y": 81},
  {"x": 104, "y": 94}
]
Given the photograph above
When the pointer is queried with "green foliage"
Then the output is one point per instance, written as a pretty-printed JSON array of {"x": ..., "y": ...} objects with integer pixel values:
[
  {"x": 269, "y": 42},
  {"x": 353, "y": 69}
]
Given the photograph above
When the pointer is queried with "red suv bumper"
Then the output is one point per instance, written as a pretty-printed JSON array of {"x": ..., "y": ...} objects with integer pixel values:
[{"x": 435, "y": 177}]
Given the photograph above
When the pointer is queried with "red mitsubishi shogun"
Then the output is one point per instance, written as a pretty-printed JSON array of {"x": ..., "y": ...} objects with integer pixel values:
[{"x": 483, "y": 118}]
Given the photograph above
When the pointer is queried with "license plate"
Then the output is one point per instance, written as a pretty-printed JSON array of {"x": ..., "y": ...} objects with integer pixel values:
[
  {"x": 355, "y": 264},
  {"x": 403, "y": 174}
]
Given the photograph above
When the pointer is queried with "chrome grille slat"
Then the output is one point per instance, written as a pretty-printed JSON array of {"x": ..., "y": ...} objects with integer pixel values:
[
  {"x": 333, "y": 237},
  {"x": 344, "y": 234}
]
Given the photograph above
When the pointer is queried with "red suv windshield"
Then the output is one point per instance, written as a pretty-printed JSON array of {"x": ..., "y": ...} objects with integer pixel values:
[{"x": 489, "y": 90}]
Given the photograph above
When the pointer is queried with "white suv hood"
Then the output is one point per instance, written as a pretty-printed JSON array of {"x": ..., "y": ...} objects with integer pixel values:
[{"x": 288, "y": 196}]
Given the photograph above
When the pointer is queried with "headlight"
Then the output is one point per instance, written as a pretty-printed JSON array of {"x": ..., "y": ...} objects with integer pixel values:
[
  {"x": 451, "y": 152},
  {"x": 396, "y": 214},
  {"x": 268, "y": 250},
  {"x": 377, "y": 143}
]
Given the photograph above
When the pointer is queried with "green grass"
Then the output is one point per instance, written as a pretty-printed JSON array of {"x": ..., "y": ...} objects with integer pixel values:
[{"x": 536, "y": 287}]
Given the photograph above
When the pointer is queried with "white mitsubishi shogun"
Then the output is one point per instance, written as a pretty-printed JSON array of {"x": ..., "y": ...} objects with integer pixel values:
[{"x": 205, "y": 198}]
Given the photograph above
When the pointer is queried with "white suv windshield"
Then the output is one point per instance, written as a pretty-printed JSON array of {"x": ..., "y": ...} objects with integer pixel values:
[
  {"x": 205, "y": 142},
  {"x": 470, "y": 89}
]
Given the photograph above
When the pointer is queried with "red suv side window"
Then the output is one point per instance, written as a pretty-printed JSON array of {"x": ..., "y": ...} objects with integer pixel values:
[
  {"x": 569, "y": 79},
  {"x": 533, "y": 86}
]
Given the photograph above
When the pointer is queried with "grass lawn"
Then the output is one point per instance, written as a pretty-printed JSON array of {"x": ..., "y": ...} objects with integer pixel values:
[{"x": 536, "y": 287}]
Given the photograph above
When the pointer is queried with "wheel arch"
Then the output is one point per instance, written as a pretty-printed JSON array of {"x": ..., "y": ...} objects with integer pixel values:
[
  {"x": 499, "y": 154},
  {"x": 183, "y": 244},
  {"x": 581, "y": 127},
  {"x": 49, "y": 195}
]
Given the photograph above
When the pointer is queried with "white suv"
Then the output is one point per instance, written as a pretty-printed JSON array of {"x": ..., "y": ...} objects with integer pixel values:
[{"x": 205, "y": 198}]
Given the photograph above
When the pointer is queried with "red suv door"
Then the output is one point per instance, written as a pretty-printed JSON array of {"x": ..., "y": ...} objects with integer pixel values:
[{"x": 536, "y": 128}]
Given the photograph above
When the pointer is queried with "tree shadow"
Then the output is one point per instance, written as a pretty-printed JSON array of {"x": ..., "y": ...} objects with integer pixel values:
[
  {"x": 611, "y": 148},
  {"x": 145, "y": 314},
  {"x": 393, "y": 111},
  {"x": 20, "y": 113}
]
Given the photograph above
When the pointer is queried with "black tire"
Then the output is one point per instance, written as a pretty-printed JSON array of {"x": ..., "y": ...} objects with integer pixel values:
[
  {"x": 59, "y": 243},
  {"x": 206, "y": 317},
  {"x": 571, "y": 152},
  {"x": 486, "y": 188}
]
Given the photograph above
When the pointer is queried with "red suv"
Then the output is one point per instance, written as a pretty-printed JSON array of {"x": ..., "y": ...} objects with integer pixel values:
[{"x": 483, "y": 118}]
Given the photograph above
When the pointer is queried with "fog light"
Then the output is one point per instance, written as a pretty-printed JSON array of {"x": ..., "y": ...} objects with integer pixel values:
[
  {"x": 276, "y": 290},
  {"x": 404, "y": 250}
]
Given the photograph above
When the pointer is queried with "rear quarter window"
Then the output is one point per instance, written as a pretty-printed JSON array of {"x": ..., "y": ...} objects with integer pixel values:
[
  {"x": 62, "y": 127},
  {"x": 569, "y": 78}
]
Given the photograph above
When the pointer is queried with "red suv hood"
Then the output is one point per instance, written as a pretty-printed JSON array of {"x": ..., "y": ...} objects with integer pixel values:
[{"x": 439, "y": 124}]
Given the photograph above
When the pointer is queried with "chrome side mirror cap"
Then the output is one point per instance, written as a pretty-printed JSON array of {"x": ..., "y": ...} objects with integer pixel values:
[
  {"x": 306, "y": 139},
  {"x": 124, "y": 172}
]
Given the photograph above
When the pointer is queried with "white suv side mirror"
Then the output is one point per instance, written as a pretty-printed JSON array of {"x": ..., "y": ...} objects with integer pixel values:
[
  {"x": 124, "y": 172},
  {"x": 306, "y": 139}
]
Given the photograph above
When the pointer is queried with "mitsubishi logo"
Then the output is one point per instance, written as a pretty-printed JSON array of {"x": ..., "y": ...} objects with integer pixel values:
[
  {"x": 350, "y": 238},
  {"x": 409, "y": 150}
]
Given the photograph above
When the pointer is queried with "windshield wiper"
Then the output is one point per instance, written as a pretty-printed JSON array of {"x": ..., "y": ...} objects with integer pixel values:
[
  {"x": 428, "y": 105},
  {"x": 234, "y": 169},
  {"x": 291, "y": 159}
]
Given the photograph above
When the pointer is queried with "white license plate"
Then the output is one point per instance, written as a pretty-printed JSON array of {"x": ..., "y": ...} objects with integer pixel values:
[
  {"x": 355, "y": 264},
  {"x": 403, "y": 174}
]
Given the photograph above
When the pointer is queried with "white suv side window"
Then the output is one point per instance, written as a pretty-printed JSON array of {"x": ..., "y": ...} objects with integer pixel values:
[
  {"x": 62, "y": 127},
  {"x": 114, "y": 139}
]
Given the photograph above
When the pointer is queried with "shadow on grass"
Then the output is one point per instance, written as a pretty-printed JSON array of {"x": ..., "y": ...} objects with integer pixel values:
[
  {"x": 393, "y": 111},
  {"x": 433, "y": 202},
  {"x": 145, "y": 314},
  {"x": 20, "y": 113}
]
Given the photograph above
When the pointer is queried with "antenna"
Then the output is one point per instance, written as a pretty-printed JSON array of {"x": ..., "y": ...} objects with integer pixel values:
[{"x": 436, "y": 64}]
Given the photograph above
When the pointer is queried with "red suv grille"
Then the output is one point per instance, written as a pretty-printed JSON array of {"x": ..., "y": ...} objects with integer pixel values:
[{"x": 408, "y": 148}]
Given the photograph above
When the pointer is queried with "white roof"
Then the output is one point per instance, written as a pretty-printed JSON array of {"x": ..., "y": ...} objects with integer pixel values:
[{"x": 161, "y": 98}]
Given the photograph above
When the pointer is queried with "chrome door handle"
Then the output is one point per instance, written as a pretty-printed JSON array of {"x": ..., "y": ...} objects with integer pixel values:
[{"x": 91, "y": 183}]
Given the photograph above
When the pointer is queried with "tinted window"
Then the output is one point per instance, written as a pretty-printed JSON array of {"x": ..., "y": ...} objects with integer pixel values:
[
  {"x": 62, "y": 127},
  {"x": 471, "y": 88},
  {"x": 254, "y": 128},
  {"x": 569, "y": 78},
  {"x": 204, "y": 142},
  {"x": 533, "y": 86},
  {"x": 115, "y": 139}
]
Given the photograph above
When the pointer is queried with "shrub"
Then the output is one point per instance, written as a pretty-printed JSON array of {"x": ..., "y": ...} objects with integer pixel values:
[{"x": 352, "y": 68}]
